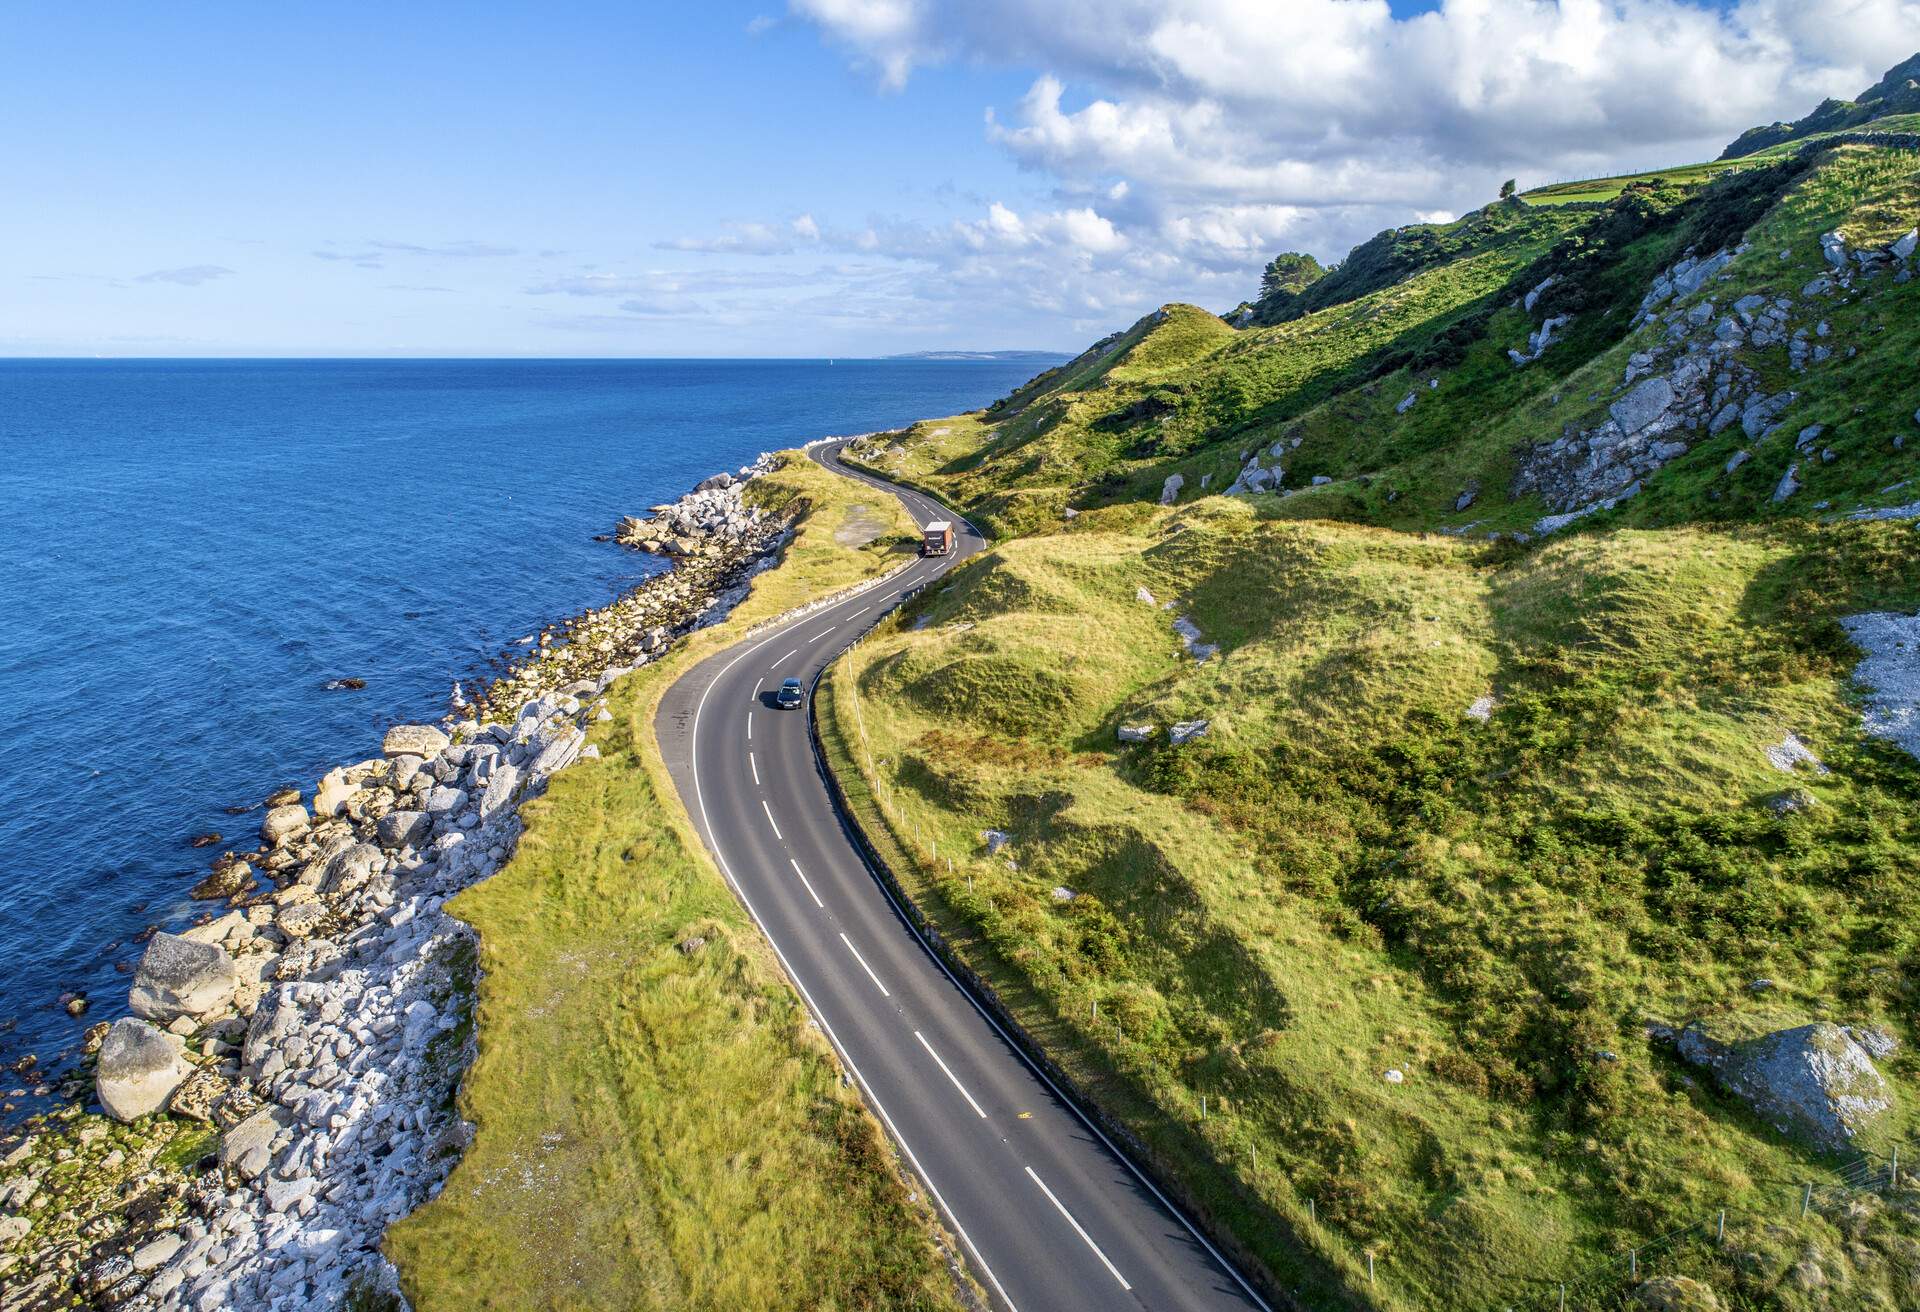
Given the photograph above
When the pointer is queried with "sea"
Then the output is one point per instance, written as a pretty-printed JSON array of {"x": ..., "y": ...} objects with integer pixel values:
[{"x": 194, "y": 554}]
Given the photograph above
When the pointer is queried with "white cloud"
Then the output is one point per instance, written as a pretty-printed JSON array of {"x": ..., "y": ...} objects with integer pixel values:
[{"x": 1186, "y": 140}]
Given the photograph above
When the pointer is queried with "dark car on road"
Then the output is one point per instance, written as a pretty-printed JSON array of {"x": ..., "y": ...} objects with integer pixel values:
[{"x": 790, "y": 695}]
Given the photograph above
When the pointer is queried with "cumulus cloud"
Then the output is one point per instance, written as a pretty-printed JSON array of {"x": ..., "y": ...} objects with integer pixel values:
[
  {"x": 191, "y": 275},
  {"x": 1184, "y": 139}
]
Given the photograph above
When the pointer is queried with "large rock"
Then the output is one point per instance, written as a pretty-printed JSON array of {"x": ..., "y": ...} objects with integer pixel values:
[
  {"x": 331, "y": 797},
  {"x": 1170, "y": 490},
  {"x": 414, "y": 740},
  {"x": 283, "y": 824},
  {"x": 501, "y": 786},
  {"x": 139, "y": 1069},
  {"x": 404, "y": 828},
  {"x": 1647, "y": 402},
  {"x": 248, "y": 1146},
  {"x": 178, "y": 977},
  {"x": 1813, "y": 1081}
]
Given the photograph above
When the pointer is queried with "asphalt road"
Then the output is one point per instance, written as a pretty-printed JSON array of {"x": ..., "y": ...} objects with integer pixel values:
[{"x": 1051, "y": 1215}]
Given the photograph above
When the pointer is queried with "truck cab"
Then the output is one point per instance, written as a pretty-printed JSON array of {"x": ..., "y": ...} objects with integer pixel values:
[{"x": 937, "y": 539}]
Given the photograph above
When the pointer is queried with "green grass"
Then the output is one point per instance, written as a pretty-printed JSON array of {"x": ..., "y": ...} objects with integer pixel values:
[
  {"x": 1348, "y": 876},
  {"x": 1591, "y": 191},
  {"x": 659, "y": 1128}
]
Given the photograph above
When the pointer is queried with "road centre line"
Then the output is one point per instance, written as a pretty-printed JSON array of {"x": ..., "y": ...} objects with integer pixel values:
[
  {"x": 823, "y": 633},
  {"x": 756, "y": 769},
  {"x": 794, "y": 652},
  {"x": 706, "y": 822},
  {"x": 1077, "y": 1230},
  {"x": 949, "y": 1074},
  {"x": 864, "y": 966},
  {"x": 803, "y": 879},
  {"x": 770, "y": 820},
  {"x": 749, "y": 726}
]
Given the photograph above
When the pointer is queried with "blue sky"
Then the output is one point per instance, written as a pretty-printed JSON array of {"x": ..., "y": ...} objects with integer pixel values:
[{"x": 826, "y": 177}]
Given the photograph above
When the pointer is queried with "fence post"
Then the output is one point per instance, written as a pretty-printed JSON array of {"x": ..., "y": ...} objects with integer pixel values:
[
  {"x": 1806, "y": 1199},
  {"x": 1720, "y": 1233},
  {"x": 1313, "y": 1212},
  {"x": 1893, "y": 1177},
  {"x": 1369, "y": 1267},
  {"x": 1633, "y": 1264},
  {"x": 1563, "y": 1296}
]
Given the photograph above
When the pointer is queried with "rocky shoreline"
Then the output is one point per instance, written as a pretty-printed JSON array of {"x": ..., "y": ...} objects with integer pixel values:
[{"x": 284, "y": 1085}]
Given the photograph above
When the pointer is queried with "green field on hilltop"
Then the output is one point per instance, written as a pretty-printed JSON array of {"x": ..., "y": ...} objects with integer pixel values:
[{"x": 660, "y": 1128}]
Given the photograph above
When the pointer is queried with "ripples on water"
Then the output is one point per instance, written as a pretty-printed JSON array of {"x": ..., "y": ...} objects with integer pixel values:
[{"x": 191, "y": 550}]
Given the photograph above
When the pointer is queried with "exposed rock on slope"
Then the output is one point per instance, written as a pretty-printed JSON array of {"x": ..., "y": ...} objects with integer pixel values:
[{"x": 1814, "y": 1081}]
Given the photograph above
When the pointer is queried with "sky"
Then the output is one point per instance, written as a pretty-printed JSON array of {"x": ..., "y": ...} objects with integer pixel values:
[{"x": 808, "y": 177}]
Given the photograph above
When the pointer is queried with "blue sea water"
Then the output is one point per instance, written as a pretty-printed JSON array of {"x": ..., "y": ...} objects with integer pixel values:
[{"x": 191, "y": 550}]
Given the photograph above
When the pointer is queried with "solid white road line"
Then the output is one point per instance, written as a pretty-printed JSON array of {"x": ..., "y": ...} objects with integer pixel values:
[
  {"x": 1077, "y": 1230},
  {"x": 770, "y": 820},
  {"x": 756, "y": 769},
  {"x": 949, "y": 1074},
  {"x": 803, "y": 879},
  {"x": 794, "y": 652},
  {"x": 864, "y": 966}
]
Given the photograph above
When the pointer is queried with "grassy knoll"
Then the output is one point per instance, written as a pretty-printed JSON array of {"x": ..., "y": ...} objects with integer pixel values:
[
  {"x": 1590, "y": 191},
  {"x": 1349, "y": 876},
  {"x": 662, "y": 1128}
]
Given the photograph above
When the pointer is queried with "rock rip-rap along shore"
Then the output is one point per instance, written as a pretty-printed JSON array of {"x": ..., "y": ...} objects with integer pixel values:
[{"x": 283, "y": 1087}]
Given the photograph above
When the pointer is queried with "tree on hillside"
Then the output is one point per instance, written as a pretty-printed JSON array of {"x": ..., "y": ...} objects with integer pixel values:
[
  {"x": 1290, "y": 273},
  {"x": 1508, "y": 187}
]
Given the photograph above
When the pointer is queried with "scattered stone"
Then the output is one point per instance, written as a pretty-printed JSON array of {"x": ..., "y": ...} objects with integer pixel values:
[
  {"x": 1790, "y": 752},
  {"x": 158, "y": 1253},
  {"x": 1061, "y": 893},
  {"x": 1170, "y": 490},
  {"x": 995, "y": 839},
  {"x": 1395, "y": 1077},
  {"x": 1137, "y": 733},
  {"x": 688, "y": 946},
  {"x": 1185, "y": 731},
  {"x": 1789, "y": 483},
  {"x": 203, "y": 840},
  {"x": 1481, "y": 709}
]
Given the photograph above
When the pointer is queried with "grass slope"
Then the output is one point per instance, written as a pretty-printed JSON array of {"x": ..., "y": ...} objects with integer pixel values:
[
  {"x": 660, "y": 1128},
  {"x": 1348, "y": 875}
]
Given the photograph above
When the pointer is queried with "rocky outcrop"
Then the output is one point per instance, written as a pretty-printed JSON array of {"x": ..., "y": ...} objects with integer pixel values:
[
  {"x": 1889, "y": 675},
  {"x": 1814, "y": 1082},
  {"x": 703, "y": 522},
  {"x": 139, "y": 1069},
  {"x": 1691, "y": 382},
  {"x": 1170, "y": 490}
]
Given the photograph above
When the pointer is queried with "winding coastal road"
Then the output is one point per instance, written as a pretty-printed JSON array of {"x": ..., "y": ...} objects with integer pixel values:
[{"x": 1051, "y": 1215}]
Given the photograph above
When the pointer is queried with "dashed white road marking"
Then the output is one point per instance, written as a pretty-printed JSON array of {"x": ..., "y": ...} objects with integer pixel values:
[
  {"x": 809, "y": 886},
  {"x": 749, "y": 726},
  {"x": 864, "y": 966},
  {"x": 756, "y": 769},
  {"x": 794, "y": 652},
  {"x": 857, "y": 614},
  {"x": 823, "y": 633},
  {"x": 1088, "y": 1239},
  {"x": 770, "y": 819},
  {"x": 949, "y": 1074}
]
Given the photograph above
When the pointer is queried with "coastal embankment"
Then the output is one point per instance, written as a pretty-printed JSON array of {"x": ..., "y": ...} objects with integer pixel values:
[{"x": 287, "y": 1083}]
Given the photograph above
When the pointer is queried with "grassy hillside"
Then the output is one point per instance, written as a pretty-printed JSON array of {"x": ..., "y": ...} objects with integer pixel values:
[
  {"x": 1497, "y": 785},
  {"x": 659, "y": 1125}
]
